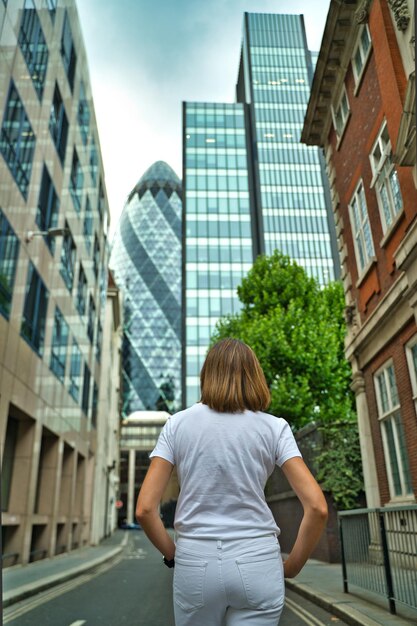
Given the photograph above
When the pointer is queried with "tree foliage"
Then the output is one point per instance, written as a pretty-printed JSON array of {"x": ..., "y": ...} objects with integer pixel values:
[{"x": 297, "y": 330}]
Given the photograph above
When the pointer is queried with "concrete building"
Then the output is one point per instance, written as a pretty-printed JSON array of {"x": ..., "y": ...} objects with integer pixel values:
[
  {"x": 139, "y": 434},
  {"x": 106, "y": 450},
  {"x": 250, "y": 186},
  {"x": 362, "y": 112},
  {"x": 53, "y": 280}
]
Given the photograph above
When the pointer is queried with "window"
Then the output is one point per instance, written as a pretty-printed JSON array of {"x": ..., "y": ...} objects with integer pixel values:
[
  {"x": 94, "y": 162},
  {"x": 34, "y": 49},
  {"x": 9, "y": 252},
  {"x": 48, "y": 208},
  {"x": 361, "y": 52},
  {"x": 75, "y": 372},
  {"x": 91, "y": 318},
  {"x": 76, "y": 181},
  {"x": 52, "y": 8},
  {"x": 101, "y": 201},
  {"x": 411, "y": 352},
  {"x": 341, "y": 113},
  {"x": 361, "y": 230},
  {"x": 83, "y": 115},
  {"x": 385, "y": 179},
  {"x": 99, "y": 340},
  {"x": 17, "y": 140},
  {"x": 96, "y": 256},
  {"x": 58, "y": 124},
  {"x": 392, "y": 430},
  {"x": 68, "y": 54},
  {"x": 68, "y": 253},
  {"x": 85, "y": 400},
  {"x": 34, "y": 310},
  {"x": 94, "y": 406},
  {"x": 88, "y": 224},
  {"x": 59, "y": 345},
  {"x": 81, "y": 291}
]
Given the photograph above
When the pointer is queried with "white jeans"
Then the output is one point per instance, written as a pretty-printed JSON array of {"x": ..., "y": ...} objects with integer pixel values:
[{"x": 228, "y": 583}]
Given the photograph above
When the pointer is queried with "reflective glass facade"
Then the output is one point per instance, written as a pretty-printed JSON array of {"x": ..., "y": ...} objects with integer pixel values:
[
  {"x": 146, "y": 262},
  {"x": 250, "y": 186},
  {"x": 294, "y": 205},
  {"x": 218, "y": 237}
]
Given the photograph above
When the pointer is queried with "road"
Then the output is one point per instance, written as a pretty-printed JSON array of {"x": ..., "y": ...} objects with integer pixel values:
[{"x": 133, "y": 590}]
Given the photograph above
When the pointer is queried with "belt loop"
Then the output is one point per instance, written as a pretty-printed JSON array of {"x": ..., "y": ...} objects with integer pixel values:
[{"x": 219, "y": 544}]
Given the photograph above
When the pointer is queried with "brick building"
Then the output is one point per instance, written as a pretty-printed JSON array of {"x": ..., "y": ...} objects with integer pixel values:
[{"x": 362, "y": 112}]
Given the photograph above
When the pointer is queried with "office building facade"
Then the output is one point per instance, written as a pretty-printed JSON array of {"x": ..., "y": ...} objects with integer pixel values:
[
  {"x": 250, "y": 186},
  {"x": 146, "y": 261},
  {"x": 53, "y": 280}
]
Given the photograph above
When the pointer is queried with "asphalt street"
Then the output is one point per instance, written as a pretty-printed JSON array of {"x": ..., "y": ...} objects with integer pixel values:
[{"x": 132, "y": 590}]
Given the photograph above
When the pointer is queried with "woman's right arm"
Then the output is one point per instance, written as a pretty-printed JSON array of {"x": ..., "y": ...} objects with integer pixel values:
[{"x": 315, "y": 514}]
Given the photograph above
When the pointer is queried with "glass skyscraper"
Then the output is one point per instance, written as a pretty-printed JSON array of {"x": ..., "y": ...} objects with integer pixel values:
[
  {"x": 146, "y": 261},
  {"x": 250, "y": 186}
]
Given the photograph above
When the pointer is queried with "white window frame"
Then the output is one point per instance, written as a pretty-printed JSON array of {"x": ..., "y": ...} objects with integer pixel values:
[
  {"x": 344, "y": 114},
  {"x": 364, "y": 54},
  {"x": 391, "y": 412},
  {"x": 412, "y": 367},
  {"x": 359, "y": 228},
  {"x": 384, "y": 179}
]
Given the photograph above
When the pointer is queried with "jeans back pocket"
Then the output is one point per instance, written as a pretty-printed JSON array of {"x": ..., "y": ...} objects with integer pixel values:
[
  {"x": 189, "y": 583},
  {"x": 263, "y": 580}
]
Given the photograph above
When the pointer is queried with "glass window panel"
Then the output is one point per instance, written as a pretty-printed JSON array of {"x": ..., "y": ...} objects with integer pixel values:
[
  {"x": 34, "y": 49},
  {"x": 9, "y": 252},
  {"x": 68, "y": 53},
  {"x": 34, "y": 310},
  {"x": 58, "y": 124},
  {"x": 59, "y": 345},
  {"x": 48, "y": 208},
  {"x": 17, "y": 140}
]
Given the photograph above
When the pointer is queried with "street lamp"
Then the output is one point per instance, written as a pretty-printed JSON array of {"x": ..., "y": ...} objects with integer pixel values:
[{"x": 51, "y": 232}]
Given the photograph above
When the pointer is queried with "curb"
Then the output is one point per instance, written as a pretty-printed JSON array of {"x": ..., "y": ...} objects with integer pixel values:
[
  {"x": 31, "y": 589},
  {"x": 340, "y": 609}
]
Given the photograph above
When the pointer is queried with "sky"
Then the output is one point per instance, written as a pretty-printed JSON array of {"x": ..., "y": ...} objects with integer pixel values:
[{"x": 146, "y": 57}]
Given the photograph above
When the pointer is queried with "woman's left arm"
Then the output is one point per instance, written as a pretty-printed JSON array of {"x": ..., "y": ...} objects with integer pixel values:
[{"x": 147, "y": 507}]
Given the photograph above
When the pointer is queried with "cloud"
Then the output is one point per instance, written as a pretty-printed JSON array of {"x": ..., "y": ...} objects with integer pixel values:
[{"x": 146, "y": 57}]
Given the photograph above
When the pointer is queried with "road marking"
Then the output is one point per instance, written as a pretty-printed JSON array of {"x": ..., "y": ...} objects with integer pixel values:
[
  {"x": 45, "y": 596},
  {"x": 303, "y": 614},
  {"x": 79, "y": 622}
]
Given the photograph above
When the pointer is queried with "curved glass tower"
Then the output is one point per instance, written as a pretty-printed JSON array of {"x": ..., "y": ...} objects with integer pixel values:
[{"x": 146, "y": 262}]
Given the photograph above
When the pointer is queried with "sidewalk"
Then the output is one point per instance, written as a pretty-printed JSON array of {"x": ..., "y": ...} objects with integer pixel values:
[
  {"x": 22, "y": 581},
  {"x": 322, "y": 583}
]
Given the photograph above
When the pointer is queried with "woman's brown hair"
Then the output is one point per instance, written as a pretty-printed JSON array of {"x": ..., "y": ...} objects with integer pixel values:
[{"x": 232, "y": 379}]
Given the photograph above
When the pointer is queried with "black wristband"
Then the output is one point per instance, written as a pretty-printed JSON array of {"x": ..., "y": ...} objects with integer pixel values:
[{"x": 170, "y": 563}]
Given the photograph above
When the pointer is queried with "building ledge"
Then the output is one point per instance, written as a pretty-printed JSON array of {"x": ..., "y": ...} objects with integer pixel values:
[
  {"x": 405, "y": 148},
  {"x": 371, "y": 338},
  {"x": 391, "y": 230},
  {"x": 406, "y": 253},
  {"x": 334, "y": 58}
]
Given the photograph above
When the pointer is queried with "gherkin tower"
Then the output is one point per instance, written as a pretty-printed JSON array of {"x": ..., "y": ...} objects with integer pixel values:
[{"x": 146, "y": 262}]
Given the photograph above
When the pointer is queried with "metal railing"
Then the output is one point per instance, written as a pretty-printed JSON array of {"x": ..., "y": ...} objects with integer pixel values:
[{"x": 379, "y": 552}]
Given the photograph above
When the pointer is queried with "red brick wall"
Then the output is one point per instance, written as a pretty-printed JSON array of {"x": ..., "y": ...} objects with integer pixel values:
[
  {"x": 379, "y": 97},
  {"x": 395, "y": 350}
]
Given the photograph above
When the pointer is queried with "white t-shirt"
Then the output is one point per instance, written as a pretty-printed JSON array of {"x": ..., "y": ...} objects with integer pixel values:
[{"x": 223, "y": 461}]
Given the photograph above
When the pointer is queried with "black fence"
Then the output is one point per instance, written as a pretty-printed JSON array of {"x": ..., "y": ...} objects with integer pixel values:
[{"x": 379, "y": 552}]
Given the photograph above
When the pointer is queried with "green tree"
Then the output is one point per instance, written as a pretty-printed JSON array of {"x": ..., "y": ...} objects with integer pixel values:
[{"x": 297, "y": 330}]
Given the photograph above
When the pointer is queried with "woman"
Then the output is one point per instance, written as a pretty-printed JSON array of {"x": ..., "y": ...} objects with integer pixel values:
[{"x": 228, "y": 566}]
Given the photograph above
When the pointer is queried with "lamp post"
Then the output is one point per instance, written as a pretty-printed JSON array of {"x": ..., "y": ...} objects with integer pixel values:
[{"x": 51, "y": 232}]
